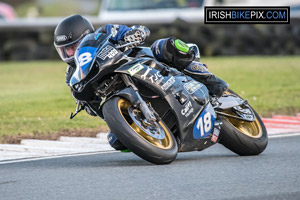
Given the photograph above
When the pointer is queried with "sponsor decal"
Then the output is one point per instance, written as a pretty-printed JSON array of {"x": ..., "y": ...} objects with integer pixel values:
[
  {"x": 188, "y": 109},
  {"x": 247, "y": 15},
  {"x": 135, "y": 69},
  {"x": 61, "y": 38},
  {"x": 107, "y": 51},
  {"x": 157, "y": 77},
  {"x": 214, "y": 139},
  {"x": 192, "y": 86},
  {"x": 146, "y": 73},
  {"x": 168, "y": 84},
  {"x": 215, "y": 135}
]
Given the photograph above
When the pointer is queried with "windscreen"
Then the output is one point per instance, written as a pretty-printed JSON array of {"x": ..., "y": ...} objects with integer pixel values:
[{"x": 86, "y": 54}]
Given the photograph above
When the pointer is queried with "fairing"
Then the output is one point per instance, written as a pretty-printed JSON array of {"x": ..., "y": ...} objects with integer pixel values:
[
  {"x": 187, "y": 99},
  {"x": 86, "y": 54}
]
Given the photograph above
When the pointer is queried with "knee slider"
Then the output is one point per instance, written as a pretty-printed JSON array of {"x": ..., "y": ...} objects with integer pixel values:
[
  {"x": 182, "y": 55},
  {"x": 173, "y": 52}
]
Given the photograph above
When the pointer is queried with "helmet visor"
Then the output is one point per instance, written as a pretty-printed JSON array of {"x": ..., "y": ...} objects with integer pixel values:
[{"x": 67, "y": 51}]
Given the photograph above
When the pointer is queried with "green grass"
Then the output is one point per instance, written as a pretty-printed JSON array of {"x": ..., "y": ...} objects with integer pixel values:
[
  {"x": 271, "y": 84},
  {"x": 34, "y": 96}
]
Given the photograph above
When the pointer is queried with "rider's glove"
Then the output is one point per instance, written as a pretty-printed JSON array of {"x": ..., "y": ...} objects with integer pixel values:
[{"x": 136, "y": 34}]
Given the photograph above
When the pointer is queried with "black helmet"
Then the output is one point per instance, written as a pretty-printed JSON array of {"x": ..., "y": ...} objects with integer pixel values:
[{"x": 68, "y": 34}]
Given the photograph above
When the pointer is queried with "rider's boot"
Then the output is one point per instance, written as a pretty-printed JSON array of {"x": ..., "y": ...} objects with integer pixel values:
[{"x": 115, "y": 142}]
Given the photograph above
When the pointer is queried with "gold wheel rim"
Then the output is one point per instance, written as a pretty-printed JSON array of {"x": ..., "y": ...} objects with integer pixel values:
[
  {"x": 165, "y": 143},
  {"x": 251, "y": 129}
]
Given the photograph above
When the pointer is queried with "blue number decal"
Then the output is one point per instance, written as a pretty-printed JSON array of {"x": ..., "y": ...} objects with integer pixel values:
[
  {"x": 205, "y": 122},
  {"x": 84, "y": 56}
]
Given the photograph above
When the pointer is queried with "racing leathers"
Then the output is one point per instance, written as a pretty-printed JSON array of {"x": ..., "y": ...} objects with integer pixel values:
[{"x": 170, "y": 51}]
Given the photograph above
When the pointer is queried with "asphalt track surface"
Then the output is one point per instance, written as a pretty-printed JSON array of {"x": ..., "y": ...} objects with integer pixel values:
[{"x": 215, "y": 173}]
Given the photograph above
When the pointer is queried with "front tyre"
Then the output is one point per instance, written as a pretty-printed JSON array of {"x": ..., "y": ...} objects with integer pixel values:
[{"x": 152, "y": 142}]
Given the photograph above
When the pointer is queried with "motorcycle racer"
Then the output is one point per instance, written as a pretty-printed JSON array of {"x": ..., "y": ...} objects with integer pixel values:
[{"x": 171, "y": 51}]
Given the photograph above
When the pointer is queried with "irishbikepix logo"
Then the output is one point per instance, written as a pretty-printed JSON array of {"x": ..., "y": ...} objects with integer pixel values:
[{"x": 247, "y": 15}]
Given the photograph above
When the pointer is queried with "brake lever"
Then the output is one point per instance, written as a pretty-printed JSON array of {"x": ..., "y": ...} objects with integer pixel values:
[{"x": 77, "y": 110}]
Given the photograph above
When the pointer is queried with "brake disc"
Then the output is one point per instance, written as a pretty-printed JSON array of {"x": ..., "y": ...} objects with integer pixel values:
[{"x": 152, "y": 129}]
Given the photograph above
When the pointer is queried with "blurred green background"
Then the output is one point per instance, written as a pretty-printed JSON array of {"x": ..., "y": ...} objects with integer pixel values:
[{"x": 52, "y": 8}]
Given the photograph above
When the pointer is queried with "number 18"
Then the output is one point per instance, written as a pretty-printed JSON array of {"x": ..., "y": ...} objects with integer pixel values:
[{"x": 204, "y": 124}]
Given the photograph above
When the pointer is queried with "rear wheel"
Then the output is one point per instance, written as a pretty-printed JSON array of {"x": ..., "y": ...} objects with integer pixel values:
[
  {"x": 153, "y": 142},
  {"x": 243, "y": 137}
]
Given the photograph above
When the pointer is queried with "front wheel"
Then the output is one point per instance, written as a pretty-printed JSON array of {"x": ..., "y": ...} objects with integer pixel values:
[
  {"x": 242, "y": 137},
  {"x": 153, "y": 142}
]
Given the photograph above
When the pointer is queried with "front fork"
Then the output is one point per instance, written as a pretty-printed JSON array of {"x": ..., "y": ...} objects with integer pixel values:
[
  {"x": 130, "y": 93},
  {"x": 139, "y": 102}
]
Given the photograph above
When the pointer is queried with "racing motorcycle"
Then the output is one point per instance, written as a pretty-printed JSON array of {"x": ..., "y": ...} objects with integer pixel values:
[{"x": 157, "y": 111}]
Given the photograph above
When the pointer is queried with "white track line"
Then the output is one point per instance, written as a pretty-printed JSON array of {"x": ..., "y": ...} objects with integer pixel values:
[
  {"x": 276, "y": 135},
  {"x": 280, "y": 135},
  {"x": 55, "y": 156}
]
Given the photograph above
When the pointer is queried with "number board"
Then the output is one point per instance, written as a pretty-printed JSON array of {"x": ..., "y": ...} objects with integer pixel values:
[
  {"x": 84, "y": 56},
  {"x": 204, "y": 123}
]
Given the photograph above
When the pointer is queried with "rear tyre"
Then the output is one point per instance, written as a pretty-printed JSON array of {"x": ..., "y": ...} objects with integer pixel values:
[
  {"x": 243, "y": 138},
  {"x": 154, "y": 143}
]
